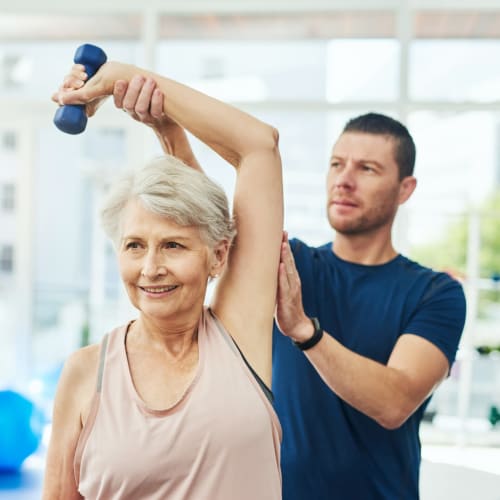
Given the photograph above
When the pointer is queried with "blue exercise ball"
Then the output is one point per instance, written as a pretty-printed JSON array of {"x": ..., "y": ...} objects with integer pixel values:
[{"x": 20, "y": 430}]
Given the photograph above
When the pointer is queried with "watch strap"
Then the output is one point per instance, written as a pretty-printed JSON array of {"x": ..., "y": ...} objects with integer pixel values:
[{"x": 316, "y": 337}]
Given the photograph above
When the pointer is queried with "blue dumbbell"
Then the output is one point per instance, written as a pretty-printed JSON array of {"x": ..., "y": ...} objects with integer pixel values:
[{"x": 71, "y": 118}]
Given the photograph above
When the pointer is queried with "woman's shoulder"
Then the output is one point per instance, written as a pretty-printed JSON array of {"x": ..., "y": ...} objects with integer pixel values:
[
  {"x": 79, "y": 373},
  {"x": 83, "y": 359},
  {"x": 76, "y": 387}
]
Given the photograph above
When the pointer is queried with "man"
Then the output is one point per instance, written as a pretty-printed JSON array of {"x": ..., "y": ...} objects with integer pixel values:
[{"x": 351, "y": 385}]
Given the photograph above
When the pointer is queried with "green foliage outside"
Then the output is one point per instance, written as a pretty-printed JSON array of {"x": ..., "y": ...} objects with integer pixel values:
[
  {"x": 450, "y": 252},
  {"x": 85, "y": 335}
]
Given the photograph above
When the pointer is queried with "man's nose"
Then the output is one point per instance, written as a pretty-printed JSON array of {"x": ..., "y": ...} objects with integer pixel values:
[{"x": 345, "y": 177}]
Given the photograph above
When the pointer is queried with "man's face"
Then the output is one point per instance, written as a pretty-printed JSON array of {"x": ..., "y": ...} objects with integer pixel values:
[{"x": 363, "y": 186}]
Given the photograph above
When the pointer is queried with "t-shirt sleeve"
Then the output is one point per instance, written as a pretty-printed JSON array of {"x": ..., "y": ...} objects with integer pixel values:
[
  {"x": 295, "y": 245},
  {"x": 440, "y": 316}
]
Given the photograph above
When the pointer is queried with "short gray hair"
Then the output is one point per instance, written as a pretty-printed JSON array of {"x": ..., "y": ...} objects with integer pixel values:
[{"x": 168, "y": 187}]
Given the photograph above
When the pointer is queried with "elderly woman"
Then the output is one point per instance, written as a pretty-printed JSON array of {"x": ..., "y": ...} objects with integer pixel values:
[{"x": 175, "y": 404}]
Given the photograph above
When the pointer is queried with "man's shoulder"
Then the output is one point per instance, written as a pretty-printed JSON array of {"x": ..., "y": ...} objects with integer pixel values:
[
  {"x": 299, "y": 247},
  {"x": 437, "y": 282},
  {"x": 413, "y": 266}
]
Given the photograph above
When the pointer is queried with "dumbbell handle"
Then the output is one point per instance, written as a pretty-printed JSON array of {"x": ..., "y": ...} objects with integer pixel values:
[{"x": 71, "y": 118}]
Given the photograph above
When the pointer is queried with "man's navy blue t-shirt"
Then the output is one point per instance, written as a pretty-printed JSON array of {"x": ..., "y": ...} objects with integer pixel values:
[{"x": 330, "y": 450}]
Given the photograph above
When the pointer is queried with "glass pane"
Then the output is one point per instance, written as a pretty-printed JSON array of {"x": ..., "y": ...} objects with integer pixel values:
[
  {"x": 305, "y": 146},
  {"x": 35, "y": 69},
  {"x": 67, "y": 196},
  {"x": 7, "y": 197},
  {"x": 306, "y": 141},
  {"x": 487, "y": 326},
  {"x": 455, "y": 70},
  {"x": 360, "y": 70},
  {"x": 6, "y": 258},
  {"x": 484, "y": 394},
  {"x": 457, "y": 169},
  {"x": 247, "y": 71},
  {"x": 9, "y": 172}
]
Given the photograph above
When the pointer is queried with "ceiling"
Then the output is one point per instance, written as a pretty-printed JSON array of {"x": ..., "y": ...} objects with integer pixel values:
[{"x": 239, "y": 19}]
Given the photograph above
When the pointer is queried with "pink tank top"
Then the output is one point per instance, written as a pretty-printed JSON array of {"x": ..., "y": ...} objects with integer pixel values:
[{"x": 221, "y": 441}]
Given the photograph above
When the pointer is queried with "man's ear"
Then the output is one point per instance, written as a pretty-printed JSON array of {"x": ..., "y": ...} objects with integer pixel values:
[
  {"x": 406, "y": 188},
  {"x": 219, "y": 258}
]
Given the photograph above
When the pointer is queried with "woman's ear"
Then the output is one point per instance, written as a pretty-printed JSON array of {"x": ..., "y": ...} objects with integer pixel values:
[{"x": 219, "y": 257}]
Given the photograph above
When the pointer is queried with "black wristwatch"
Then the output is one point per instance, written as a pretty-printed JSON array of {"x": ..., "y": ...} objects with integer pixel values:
[{"x": 316, "y": 337}]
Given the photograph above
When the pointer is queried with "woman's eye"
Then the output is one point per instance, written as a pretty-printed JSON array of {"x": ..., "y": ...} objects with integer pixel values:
[{"x": 172, "y": 244}]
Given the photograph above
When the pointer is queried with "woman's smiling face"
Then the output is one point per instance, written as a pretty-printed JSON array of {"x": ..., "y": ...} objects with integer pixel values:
[{"x": 164, "y": 266}]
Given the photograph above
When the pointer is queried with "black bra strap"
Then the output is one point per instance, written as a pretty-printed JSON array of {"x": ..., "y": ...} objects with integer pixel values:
[{"x": 267, "y": 392}]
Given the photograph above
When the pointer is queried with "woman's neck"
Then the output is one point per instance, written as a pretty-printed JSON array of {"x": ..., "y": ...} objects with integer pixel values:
[{"x": 175, "y": 340}]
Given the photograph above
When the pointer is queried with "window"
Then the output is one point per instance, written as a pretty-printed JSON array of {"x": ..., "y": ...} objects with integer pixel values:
[
  {"x": 455, "y": 70},
  {"x": 49, "y": 61},
  {"x": 248, "y": 72},
  {"x": 105, "y": 145},
  {"x": 6, "y": 258},
  {"x": 451, "y": 178},
  {"x": 360, "y": 70},
  {"x": 16, "y": 70},
  {"x": 7, "y": 195},
  {"x": 9, "y": 141}
]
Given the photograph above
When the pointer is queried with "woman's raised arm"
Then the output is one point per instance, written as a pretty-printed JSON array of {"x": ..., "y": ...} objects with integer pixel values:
[{"x": 245, "y": 296}]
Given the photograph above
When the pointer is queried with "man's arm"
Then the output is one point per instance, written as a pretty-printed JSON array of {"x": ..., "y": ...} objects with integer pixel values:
[{"x": 387, "y": 393}]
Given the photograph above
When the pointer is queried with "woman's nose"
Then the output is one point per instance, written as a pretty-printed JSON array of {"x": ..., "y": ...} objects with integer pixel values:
[{"x": 153, "y": 266}]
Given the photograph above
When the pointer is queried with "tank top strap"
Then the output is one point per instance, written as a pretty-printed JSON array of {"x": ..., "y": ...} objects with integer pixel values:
[
  {"x": 102, "y": 359},
  {"x": 92, "y": 412}
]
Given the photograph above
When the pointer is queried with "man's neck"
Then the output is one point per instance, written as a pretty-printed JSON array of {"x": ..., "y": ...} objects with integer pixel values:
[{"x": 366, "y": 249}]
